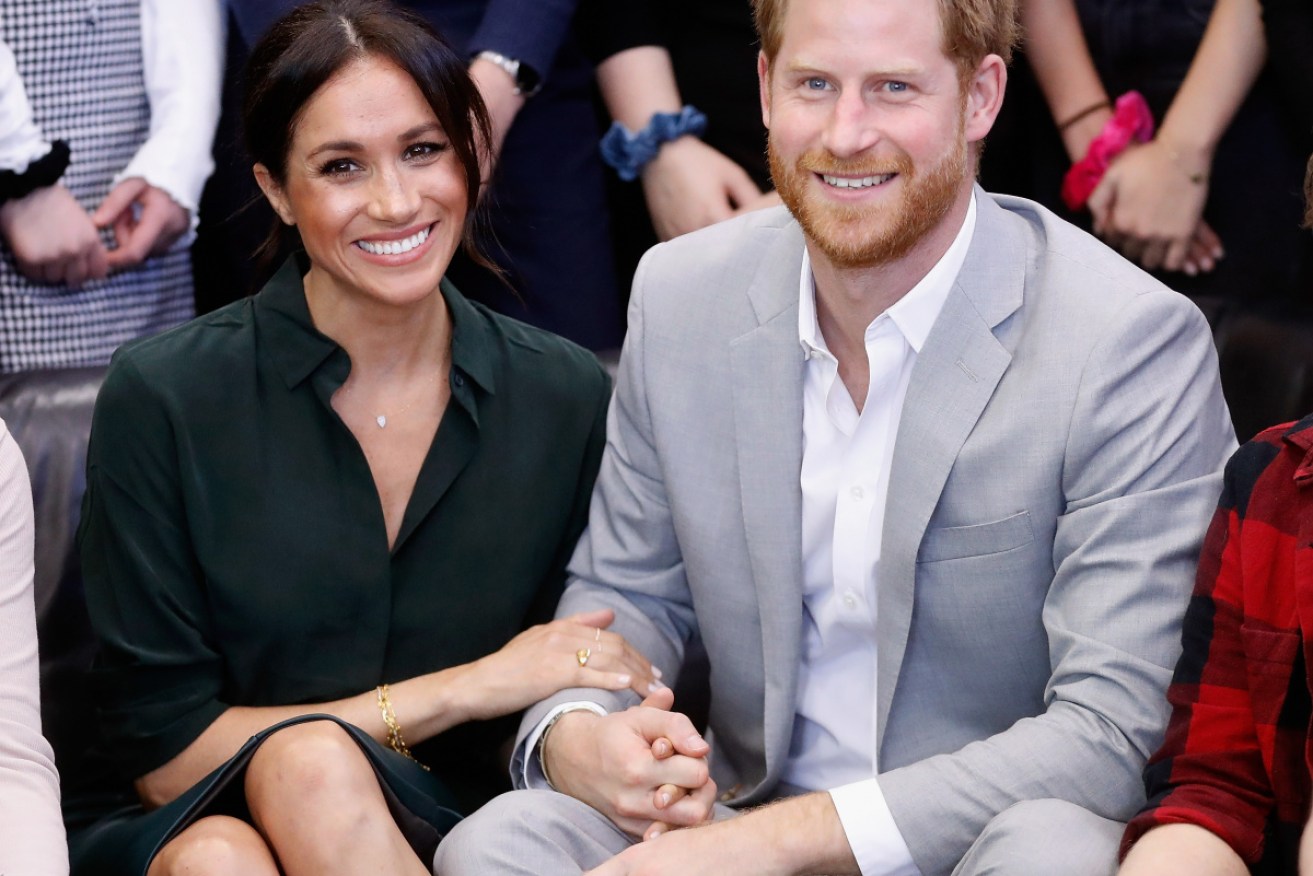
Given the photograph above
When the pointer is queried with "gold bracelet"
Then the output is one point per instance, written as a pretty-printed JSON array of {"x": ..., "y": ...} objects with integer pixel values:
[{"x": 395, "y": 739}]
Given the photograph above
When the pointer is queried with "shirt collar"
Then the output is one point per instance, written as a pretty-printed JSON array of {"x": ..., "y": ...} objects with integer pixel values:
[
  {"x": 914, "y": 314},
  {"x": 298, "y": 348}
]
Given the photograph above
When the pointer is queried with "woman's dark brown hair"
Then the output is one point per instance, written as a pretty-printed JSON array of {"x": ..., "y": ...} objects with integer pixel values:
[{"x": 313, "y": 43}]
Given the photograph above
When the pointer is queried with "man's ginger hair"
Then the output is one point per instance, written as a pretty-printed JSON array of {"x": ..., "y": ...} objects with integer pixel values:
[{"x": 971, "y": 29}]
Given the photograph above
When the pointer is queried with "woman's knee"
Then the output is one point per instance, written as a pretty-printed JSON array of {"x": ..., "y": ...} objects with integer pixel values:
[
  {"x": 305, "y": 763},
  {"x": 215, "y": 846}
]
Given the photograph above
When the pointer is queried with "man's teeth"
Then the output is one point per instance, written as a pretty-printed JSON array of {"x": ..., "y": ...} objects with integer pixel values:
[
  {"x": 844, "y": 182},
  {"x": 394, "y": 247}
]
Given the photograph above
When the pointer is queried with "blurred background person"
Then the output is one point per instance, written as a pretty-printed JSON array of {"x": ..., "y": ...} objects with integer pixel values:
[
  {"x": 107, "y": 112},
  {"x": 1212, "y": 201}
]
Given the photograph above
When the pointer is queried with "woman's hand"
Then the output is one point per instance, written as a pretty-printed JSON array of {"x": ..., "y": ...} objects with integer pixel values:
[
  {"x": 575, "y": 651},
  {"x": 1150, "y": 207},
  {"x": 689, "y": 185}
]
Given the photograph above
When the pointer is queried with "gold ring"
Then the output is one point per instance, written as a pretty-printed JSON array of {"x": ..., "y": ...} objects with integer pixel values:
[{"x": 582, "y": 655}]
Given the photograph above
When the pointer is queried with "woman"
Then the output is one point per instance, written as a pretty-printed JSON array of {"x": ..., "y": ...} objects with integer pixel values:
[
  {"x": 31, "y": 834},
  {"x": 339, "y": 498}
]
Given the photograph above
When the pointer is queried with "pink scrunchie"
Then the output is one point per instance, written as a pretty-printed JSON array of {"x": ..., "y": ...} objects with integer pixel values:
[{"x": 1131, "y": 119}]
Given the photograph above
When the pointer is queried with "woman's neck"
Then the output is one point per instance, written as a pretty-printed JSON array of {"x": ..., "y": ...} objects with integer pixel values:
[{"x": 386, "y": 343}]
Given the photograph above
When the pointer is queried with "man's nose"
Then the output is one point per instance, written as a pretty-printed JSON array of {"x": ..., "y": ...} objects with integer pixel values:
[{"x": 853, "y": 126}]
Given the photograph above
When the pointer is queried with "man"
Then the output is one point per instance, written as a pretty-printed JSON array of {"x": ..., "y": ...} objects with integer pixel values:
[{"x": 925, "y": 468}]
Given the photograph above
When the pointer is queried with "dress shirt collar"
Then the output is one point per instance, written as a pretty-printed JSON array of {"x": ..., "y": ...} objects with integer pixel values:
[
  {"x": 298, "y": 348},
  {"x": 914, "y": 314}
]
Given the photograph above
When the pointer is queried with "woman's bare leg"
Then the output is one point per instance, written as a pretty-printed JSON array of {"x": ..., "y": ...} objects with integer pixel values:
[
  {"x": 215, "y": 846},
  {"x": 316, "y": 799}
]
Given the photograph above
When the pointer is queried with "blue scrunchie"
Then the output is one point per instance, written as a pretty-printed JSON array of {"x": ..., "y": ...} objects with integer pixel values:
[{"x": 628, "y": 152}]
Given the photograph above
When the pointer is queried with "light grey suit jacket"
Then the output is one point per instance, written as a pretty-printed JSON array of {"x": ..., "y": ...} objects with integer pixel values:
[{"x": 1057, "y": 461}]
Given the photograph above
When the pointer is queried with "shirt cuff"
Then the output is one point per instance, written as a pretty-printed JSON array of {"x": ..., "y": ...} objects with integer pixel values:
[
  {"x": 875, "y": 839},
  {"x": 21, "y": 142},
  {"x": 183, "y": 59},
  {"x": 531, "y": 775}
]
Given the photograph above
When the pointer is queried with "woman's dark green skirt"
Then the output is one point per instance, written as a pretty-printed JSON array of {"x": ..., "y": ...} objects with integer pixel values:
[{"x": 125, "y": 842}]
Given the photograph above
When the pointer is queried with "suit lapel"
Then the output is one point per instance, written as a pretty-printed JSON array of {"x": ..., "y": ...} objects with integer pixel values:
[
  {"x": 767, "y": 374},
  {"x": 953, "y": 379}
]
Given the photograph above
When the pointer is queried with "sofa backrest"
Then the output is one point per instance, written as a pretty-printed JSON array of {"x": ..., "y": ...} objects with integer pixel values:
[{"x": 49, "y": 415}]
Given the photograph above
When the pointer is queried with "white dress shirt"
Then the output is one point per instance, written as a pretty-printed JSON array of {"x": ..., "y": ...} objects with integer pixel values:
[
  {"x": 182, "y": 45},
  {"x": 846, "y": 460}
]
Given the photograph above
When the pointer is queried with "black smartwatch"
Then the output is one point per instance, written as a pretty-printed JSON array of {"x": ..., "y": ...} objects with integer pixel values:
[{"x": 526, "y": 79}]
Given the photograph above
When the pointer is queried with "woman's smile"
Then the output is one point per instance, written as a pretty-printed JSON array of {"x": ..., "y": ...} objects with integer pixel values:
[{"x": 394, "y": 249}]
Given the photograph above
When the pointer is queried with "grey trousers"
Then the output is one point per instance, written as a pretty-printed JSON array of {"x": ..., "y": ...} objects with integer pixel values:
[{"x": 542, "y": 833}]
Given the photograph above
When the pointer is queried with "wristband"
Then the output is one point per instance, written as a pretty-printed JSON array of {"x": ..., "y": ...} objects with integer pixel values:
[
  {"x": 629, "y": 152},
  {"x": 1131, "y": 120},
  {"x": 40, "y": 174},
  {"x": 1083, "y": 114}
]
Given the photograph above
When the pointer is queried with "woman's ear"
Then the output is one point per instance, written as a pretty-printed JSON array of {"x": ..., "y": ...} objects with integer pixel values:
[{"x": 274, "y": 193}]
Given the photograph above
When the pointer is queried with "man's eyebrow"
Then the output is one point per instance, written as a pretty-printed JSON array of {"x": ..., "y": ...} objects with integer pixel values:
[{"x": 902, "y": 71}]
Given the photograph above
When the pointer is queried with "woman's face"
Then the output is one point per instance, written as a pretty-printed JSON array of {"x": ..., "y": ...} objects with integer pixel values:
[{"x": 373, "y": 186}]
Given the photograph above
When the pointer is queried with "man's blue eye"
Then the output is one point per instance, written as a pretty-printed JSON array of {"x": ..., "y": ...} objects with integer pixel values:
[
  {"x": 897, "y": 86},
  {"x": 816, "y": 83}
]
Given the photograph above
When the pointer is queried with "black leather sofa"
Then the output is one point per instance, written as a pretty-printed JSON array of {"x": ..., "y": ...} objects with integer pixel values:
[{"x": 1267, "y": 374}]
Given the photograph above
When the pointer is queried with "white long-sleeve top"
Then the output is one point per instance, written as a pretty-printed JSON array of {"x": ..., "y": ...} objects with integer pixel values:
[
  {"x": 31, "y": 830},
  {"x": 182, "y": 45}
]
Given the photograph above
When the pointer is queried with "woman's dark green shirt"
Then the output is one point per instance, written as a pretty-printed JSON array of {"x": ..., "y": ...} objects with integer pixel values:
[{"x": 233, "y": 542}]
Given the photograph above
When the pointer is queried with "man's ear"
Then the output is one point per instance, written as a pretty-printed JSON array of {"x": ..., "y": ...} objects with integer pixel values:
[
  {"x": 274, "y": 193},
  {"x": 984, "y": 97},
  {"x": 763, "y": 81}
]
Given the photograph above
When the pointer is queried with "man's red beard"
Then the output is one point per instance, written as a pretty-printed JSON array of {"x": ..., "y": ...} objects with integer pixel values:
[{"x": 860, "y": 235}]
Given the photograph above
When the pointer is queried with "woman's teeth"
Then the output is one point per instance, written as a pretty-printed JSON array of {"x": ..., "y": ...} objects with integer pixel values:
[{"x": 394, "y": 247}]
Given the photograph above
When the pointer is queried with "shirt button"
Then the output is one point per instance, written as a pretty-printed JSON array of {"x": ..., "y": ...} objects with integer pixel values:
[
  {"x": 458, "y": 380},
  {"x": 857, "y": 493},
  {"x": 850, "y": 600}
]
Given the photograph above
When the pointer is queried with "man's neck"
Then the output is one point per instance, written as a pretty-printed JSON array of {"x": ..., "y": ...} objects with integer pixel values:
[{"x": 849, "y": 299}]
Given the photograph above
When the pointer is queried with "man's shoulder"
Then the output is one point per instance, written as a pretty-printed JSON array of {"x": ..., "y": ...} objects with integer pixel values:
[
  {"x": 1070, "y": 261},
  {"x": 1075, "y": 285},
  {"x": 734, "y": 249}
]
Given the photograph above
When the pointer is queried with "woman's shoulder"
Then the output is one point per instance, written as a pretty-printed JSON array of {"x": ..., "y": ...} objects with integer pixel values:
[
  {"x": 205, "y": 344},
  {"x": 530, "y": 357},
  {"x": 193, "y": 361}
]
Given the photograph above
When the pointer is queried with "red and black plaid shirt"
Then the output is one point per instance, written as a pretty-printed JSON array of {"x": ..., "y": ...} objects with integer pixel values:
[{"x": 1237, "y": 753}]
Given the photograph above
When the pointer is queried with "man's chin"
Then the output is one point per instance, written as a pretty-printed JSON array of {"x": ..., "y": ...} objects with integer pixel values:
[{"x": 857, "y": 239}]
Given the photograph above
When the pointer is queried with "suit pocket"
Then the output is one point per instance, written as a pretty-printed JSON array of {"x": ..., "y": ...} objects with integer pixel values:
[{"x": 976, "y": 540}]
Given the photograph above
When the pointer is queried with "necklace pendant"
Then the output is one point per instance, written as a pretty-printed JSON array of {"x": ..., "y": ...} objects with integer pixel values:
[{"x": 381, "y": 420}]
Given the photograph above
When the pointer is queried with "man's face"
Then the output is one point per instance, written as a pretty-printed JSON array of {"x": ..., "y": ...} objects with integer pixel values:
[{"x": 868, "y": 126}]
